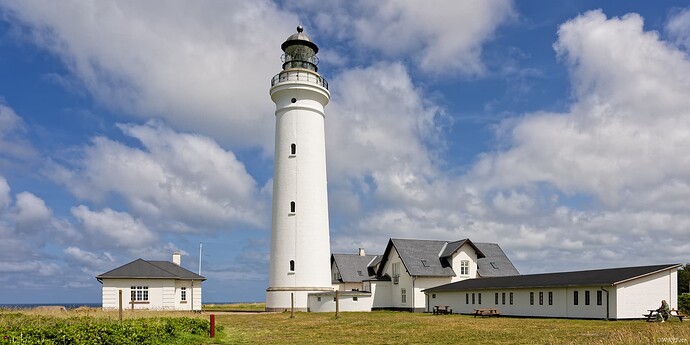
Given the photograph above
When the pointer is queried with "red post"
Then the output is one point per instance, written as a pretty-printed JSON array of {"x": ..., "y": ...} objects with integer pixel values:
[{"x": 213, "y": 325}]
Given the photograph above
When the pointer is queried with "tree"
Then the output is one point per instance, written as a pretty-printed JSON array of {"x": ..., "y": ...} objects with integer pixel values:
[{"x": 684, "y": 279}]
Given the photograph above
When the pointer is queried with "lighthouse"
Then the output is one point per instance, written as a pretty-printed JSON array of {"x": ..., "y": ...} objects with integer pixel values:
[{"x": 300, "y": 241}]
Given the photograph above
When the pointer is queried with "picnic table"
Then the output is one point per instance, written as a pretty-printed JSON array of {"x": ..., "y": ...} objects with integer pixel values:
[
  {"x": 486, "y": 312},
  {"x": 442, "y": 310},
  {"x": 651, "y": 316}
]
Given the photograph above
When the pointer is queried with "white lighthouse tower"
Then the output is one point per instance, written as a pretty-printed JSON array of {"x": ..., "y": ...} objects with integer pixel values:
[{"x": 300, "y": 243}]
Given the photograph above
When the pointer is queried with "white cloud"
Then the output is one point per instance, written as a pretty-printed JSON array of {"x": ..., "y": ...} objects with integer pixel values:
[
  {"x": 678, "y": 28},
  {"x": 14, "y": 147},
  {"x": 4, "y": 195},
  {"x": 178, "y": 181},
  {"x": 445, "y": 37},
  {"x": 202, "y": 65},
  {"x": 112, "y": 229},
  {"x": 625, "y": 133},
  {"x": 31, "y": 214}
]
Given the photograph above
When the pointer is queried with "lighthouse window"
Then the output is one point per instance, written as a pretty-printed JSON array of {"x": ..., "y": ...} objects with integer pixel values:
[
  {"x": 292, "y": 207},
  {"x": 293, "y": 149},
  {"x": 292, "y": 265},
  {"x": 294, "y": 100}
]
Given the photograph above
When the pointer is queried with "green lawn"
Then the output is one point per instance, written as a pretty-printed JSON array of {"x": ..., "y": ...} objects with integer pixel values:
[{"x": 407, "y": 328}]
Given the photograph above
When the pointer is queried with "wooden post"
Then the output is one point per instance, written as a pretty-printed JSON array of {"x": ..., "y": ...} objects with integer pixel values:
[
  {"x": 292, "y": 305},
  {"x": 213, "y": 325},
  {"x": 337, "y": 304},
  {"x": 120, "y": 304},
  {"x": 131, "y": 299}
]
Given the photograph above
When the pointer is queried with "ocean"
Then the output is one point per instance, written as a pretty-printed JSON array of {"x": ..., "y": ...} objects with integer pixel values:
[{"x": 66, "y": 305}]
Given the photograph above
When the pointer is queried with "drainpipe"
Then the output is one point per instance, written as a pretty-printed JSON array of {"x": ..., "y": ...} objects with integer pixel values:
[
  {"x": 413, "y": 293},
  {"x": 607, "y": 302}
]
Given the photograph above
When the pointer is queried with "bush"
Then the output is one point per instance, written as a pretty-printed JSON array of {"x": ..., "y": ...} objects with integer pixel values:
[
  {"x": 34, "y": 329},
  {"x": 684, "y": 303}
]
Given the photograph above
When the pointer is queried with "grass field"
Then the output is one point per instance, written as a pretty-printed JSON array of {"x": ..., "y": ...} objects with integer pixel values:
[{"x": 400, "y": 328}]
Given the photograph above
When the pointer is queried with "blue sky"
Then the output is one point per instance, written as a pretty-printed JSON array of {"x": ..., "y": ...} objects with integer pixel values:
[{"x": 131, "y": 129}]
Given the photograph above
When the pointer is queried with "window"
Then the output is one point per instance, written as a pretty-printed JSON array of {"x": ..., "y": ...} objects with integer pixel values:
[
  {"x": 503, "y": 298},
  {"x": 600, "y": 297},
  {"x": 293, "y": 149},
  {"x": 473, "y": 298},
  {"x": 360, "y": 273},
  {"x": 550, "y": 298},
  {"x": 541, "y": 298},
  {"x": 292, "y": 207},
  {"x": 575, "y": 299},
  {"x": 336, "y": 276},
  {"x": 140, "y": 293},
  {"x": 493, "y": 264},
  {"x": 354, "y": 298},
  {"x": 586, "y": 297},
  {"x": 318, "y": 299},
  {"x": 511, "y": 298},
  {"x": 467, "y": 298},
  {"x": 425, "y": 263},
  {"x": 479, "y": 298},
  {"x": 496, "y": 298},
  {"x": 292, "y": 265},
  {"x": 464, "y": 267},
  {"x": 433, "y": 295},
  {"x": 183, "y": 294},
  {"x": 396, "y": 272},
  {"x": 531, "y": 298},
  {"x": 403, "y": 295}
]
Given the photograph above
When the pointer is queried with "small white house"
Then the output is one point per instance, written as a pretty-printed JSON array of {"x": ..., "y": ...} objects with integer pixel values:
[
  {"x": 615, "y": 293},
  {"x": 152, "y": 285}
]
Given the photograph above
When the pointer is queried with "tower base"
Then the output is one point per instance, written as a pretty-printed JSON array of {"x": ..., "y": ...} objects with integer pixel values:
[{"x": 279, "y": 299}]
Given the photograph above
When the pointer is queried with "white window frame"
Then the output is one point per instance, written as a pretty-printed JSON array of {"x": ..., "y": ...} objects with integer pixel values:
[
  {"x": 403, "y": 296},
  {"x": 140, "y": 293},
  {"x": 183, "y": 294},
  {"x": 464, "y": 267}
]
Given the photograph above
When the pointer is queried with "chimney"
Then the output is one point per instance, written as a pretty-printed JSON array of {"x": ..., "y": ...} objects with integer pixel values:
[
  {"x": 176, "y": 258},
  {"x": 361, "y": 251}
]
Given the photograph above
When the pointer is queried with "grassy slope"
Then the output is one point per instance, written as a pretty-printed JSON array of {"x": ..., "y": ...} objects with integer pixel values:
[{"x": 406, "y": 328}]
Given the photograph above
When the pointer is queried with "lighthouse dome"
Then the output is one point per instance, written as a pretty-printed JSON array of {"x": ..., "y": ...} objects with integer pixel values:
[{"x": 299, "y": 38}]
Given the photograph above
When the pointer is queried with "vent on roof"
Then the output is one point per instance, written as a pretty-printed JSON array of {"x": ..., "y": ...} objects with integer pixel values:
[
  {"x": 359, "y": 273},
  {"x": 424, "y": 263},
  {"x": 493, "y": 264}
]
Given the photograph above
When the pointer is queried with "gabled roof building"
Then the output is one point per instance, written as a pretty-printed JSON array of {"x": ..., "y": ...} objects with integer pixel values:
[
  {"x": 613, "y": 293},
  {"x": 152, "y": 285}
]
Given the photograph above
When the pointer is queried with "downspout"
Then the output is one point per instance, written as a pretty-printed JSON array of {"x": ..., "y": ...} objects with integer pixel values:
[
  {"x": 607, "y": 302},
  {"x": 414, "y": 306}
]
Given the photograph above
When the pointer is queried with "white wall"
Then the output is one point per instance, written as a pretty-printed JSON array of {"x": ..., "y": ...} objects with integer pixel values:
[
  {"x": 163, "y": 294},
  {"x": 381, "y": 290},
  {"x": 637, "y": 296},
  {"x": 628, "y": 300},
  {"x": 325, "y": 302},
  {"x": 466, "y": 252}
]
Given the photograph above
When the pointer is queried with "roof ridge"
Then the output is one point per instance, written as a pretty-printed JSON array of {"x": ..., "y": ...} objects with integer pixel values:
[{"x": 161, "y": 268}]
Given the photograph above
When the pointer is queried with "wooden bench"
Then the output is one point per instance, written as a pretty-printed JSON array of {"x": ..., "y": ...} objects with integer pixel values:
[
  {"x": 651, "y": 317},
  {"x": 678, "y": 314},
  {"x": 486, "y": 312},
  {"x": 442, "y": 310}
]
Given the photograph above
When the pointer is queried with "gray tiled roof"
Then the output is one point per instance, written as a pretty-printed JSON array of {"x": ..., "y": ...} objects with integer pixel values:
[
  {"x": 140, "y": 268},
  {"x": 422, "y": 257},
  {"x": 495, "y": 263},
  {"x": 601, "y": 277},
  {"x": 352, "y": 267}
]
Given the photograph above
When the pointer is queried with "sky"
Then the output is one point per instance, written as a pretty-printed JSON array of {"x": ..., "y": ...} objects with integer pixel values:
[{"x": 131, "y": 129}]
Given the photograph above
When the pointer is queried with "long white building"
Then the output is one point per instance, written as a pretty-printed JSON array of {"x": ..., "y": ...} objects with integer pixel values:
[{"x": 300, "y": 241}]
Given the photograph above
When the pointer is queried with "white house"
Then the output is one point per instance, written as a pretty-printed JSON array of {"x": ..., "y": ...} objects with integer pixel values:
[
  {"x": 615, "y": 293},
  {"x": 152, "y": 285},
  {"x": 396, "y": 279}
]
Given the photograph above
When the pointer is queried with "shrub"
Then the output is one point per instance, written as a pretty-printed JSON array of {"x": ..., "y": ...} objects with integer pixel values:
[
  {"x": 33, "y": 329},
  {"x": 684, "y": 303}
]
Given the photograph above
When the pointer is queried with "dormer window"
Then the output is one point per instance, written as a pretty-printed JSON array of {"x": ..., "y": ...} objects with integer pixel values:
[{"x": 464, "y": 268}]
